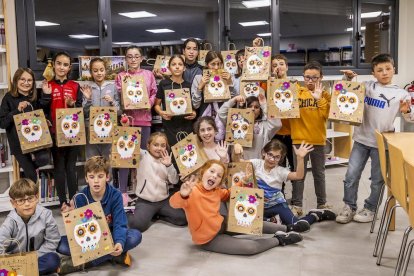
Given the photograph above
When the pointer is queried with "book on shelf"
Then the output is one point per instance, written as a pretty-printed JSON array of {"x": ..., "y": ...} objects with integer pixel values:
[{"x": 48, "y": 191}]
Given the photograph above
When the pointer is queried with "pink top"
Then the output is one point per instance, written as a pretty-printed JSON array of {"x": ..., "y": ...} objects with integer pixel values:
[{"x": 141, "y": 117}]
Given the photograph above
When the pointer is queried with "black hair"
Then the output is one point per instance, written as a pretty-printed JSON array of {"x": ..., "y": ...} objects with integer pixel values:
[
  {"x": 313, "y": 65},
  {"x": 381, "y": 58}
]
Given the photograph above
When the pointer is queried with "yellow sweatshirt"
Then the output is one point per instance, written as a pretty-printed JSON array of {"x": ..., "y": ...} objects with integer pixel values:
[{"x": 311, "y": 126}]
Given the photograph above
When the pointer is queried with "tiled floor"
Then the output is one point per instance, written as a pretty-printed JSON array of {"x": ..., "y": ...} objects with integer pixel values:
[{"x": 328, "y": 249}]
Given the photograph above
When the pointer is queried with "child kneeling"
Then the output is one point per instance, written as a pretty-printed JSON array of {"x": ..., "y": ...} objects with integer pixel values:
[
  {"x": 32, "y": 225},
  {"x": 97, "y": 176}
]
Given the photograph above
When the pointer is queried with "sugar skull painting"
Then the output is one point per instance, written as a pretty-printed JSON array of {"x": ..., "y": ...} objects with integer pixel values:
[{"x": 31, "y": 129}]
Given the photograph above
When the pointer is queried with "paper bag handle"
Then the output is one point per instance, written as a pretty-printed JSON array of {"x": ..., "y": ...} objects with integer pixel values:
[
  {"x": 151, "y": 61},
  {"x": 261, "y": 39},
  {"x": 74, "y": 199},
  {"x": 209, "y": 48},
  {"x": 172, "y": 85},
  {"x": 180, "y": 134},
  {"x": 11, "y": 240},
  {"x": 228, "y": 46},
  {"x": 31, "y": 106}
]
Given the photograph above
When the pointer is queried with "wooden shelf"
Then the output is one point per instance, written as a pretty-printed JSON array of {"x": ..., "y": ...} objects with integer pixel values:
[
  {"x": 49, "y": 167},
  {"x": 4, "y": 85}
]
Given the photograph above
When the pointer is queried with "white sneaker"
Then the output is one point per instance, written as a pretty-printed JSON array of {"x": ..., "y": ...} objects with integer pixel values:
[
  {"x": 296, "y": 210},
  {"x": 364, "y": 215},
  {"x": 345, "y": 215}
]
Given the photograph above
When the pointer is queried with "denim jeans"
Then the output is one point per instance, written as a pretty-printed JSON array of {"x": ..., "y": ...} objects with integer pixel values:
[
  {"x": 48, "y": 263},
  {"x": 133, "y": 238},
  {"x": 285, "y": 214},
  {"x": 356, "y": 164}
]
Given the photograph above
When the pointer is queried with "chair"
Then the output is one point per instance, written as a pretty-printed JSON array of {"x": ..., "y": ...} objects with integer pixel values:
[
  {"x": 409, "y": 173},
  {"x": 399, "y": 191}
]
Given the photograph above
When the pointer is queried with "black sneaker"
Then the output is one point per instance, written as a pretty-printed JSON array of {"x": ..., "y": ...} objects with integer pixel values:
[
  {"x": 288, "y": 238},
  {"x": 124, "y": 259},
  {"x": 300, "y": 226},
  {"x": 323, "y": 214}
]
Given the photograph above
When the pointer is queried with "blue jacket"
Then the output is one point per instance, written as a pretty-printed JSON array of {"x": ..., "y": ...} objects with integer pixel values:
[{"x": 113, "y": 209}]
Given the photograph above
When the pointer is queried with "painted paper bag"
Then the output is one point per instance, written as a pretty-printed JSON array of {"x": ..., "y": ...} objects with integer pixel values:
[
  {"x": 70, "y": 127},
  {"x": 251, "y": 88},
  {"x": 229, "y": 58},
  {"x": 237, "y": 172},
  {"x": 282, "y": 99},
  {"x": 347, "y": 102},
  {"x": 257, "y": 63},
  {"x": 161, "y": 63},
  {"x": 239, "y": 126},
  {"x": 202, "y": 54},
  {"x": 126, "y": 143},
  {"x": 246, "y": 211},
  {"x": 134, "y": 93},
  {"x": 217, "y": 89},
  {"x": 178, "y": 102},
  {"x": 33, "y": 131},
  {"x": 88, "y": 233},
  {"x": 189, "y": 154},
  {"x": 102, "y": 122},
  {"x": 23, "y": 263}
]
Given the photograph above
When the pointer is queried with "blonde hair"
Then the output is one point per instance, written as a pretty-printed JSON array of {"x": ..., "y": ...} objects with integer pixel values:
[
  {"x": 97, "y": 164},
  {"x": 155, "y": 135},
  {"x": 22, "y": 188}
]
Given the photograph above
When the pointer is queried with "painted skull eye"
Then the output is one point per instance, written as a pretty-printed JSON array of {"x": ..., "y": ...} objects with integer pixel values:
[
  {"x": 74, "y": 125},
  {"x": 287, "y": 95},
  {"x": 121, "y": 144},
  {"x": 235, "y": 125},
  {"x": 219, "y": 84},
  {"x": 244, "y": 127},
  {"x": 342, "y": 99},
  {"x": 259, "y": 63},
  {"x": 251, "y": 211},
  {"x": 277, "y": 95},
  {"x": 233, "y": 64},
  {"x": 192, "y": 153},
  {"x": 351, "y": 100},
  {"x": 80, "y": 232},
  {"x": 247, "y": 89},
  {"x": 240, "y": 208},
  {"x": 99, "y": 122},
  {"x": 92, "y": 228},
  {"x": 130, "y": 92},
  {"x": 36, "y": 128},
  {"x": 181, "y": 102},
  {"x": 139, "y": 92},
  {"x": 184, "y": 158},
  {"x": 175, "y": 103},
  {"x": 228, "y": 64},
  {"x": 255, "y": 88},
  {"x": 212, "y": 84},
  {"x": 66, "y": 126},
  {"x": 27, "y": 130},
  {"x": 236, "y": 179},
  {"x": 130, "y": 144},
  {"x": 251, "y": 62},
  {"x": 107, "y": 123}
]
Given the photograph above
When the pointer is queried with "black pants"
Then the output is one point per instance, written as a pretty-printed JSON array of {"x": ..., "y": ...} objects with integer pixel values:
[
  {"x": 28, "y": 166},
  {"x": 64, "y": 161},
  {"x": 287, "y": 140}
]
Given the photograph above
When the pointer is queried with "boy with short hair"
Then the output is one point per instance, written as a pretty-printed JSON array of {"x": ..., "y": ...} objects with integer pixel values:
[
  {"x": 98, "y": 190},
  {"x": 314, "y": 105},
  {"x": 32, "y": 225},
  {"x": 383, "y": 102}
]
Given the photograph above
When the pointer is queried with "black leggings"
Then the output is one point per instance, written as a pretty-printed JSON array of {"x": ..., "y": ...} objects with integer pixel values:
[
  {"x": 64, "y": 161},
  {"x": 28, "y": 166}
]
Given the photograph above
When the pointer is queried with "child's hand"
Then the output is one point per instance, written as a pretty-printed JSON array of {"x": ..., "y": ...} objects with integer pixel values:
[
  {"x": 86, "y": 91},
  {"x": 304, "y": 149},
  {"x": 22, "y": 105},
  {"x": 222, "y": 149},
  {"x": 165, "y": 115},
  {"x": 187, "y": 186},
  {"x": 317, "y": 93},
  {"x": 238, "y": 149},
  {"x": 257, "y": 42},
  {"x": 240, "y": 100},
  {"x": 262, "y": 99},
  {"x": 46, "y": 87},
  {"x": 225, "y": 75},
  {"x": 108, "y": 98},
  {"x": 66, "y": 208},
  {"x": 349, "y": 74},
  {"x": 166, "y": 158},
  {"x": 248, "y": 174},
  {"x": 157, "y": 74},
  {"x": 191, "y": 116},
  {"x": 69, "y": 101},
  {"x": 204, "y": 80},
  {"x": 117, "y": 250},
  {"x": 405, "y": 106}
]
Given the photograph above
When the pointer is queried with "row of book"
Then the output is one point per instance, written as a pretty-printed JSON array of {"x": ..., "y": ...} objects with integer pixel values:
[{"x": 48, "y": 191}]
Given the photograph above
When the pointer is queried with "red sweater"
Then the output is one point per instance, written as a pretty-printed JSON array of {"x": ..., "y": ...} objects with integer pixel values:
[{"x": 202, "y": 211}]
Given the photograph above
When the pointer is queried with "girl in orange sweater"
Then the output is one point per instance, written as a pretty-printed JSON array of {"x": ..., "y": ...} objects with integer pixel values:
[{"x": 201, "y": 203}]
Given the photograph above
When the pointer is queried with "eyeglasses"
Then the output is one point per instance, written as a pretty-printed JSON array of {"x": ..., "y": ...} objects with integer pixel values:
[
  {"x": 133, "y": 57},
  {"x": 274, "y": 157},
  {"x": 21, "y": 201},
  {"x": 313, "y": 78},
  {"x": 26, "y": 80}
]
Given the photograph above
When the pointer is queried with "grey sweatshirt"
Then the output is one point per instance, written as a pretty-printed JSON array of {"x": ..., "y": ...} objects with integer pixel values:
[
  {"x": 98, "y": 92},
  {"x": 40, "y": 233},
  {"x": 382, "y": 105}
]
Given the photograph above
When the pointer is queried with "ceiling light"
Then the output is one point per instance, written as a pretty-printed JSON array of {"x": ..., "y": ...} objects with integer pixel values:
[
  {"x": 196, "y": 38},
  {"x": 256, "y": 4},
  {"x": 82, "y": 36},
  {"x": 122, "y": 43},
  {"x": 265, "y": 34},
  {"x": 137, "y": 14},
  {"x": 351, "y": 29},
  {"x": 370, "y": 14},
  {"x": 45, "y": 23},
  {"x": 159, "y": 31},
  {"x": 253, "y": 23}
]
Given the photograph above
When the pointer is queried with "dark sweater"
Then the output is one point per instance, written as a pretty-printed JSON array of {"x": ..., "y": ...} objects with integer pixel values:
[{"x": 191, "y": 70}]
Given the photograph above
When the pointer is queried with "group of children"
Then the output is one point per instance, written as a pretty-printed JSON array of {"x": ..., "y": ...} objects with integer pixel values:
[{"x": 198, "y": 199}]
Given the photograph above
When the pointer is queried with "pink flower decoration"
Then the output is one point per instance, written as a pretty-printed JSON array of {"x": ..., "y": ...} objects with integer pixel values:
[
  {"x": 234, "y": 117},
  {"x": 163, "y": 70},
  {"x": 266, "y": 53},
  {"x": 189, "y": 147},
  {"x": 228, "y": 57},
  {"x": 133, "y": 138},
  {"x": 88, "y": 213},
  {"x": 25, "y": 122},
  {"x": 338, "y": 86},
  {"x": 252, "y": 199},
  {"x": 107, "y": 116},
  {"x": 216, "y": 78},
  {"x": 75, "y": 117},
  {"x": 286, "y": 85},
  {"x": 171, "y": 95}
]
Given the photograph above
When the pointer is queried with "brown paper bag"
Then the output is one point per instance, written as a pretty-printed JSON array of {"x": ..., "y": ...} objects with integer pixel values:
[
  {"x": 189, "y": 154},
  {"x": 282, "y": 99},
  {"x": 88, "y": 233},
  {"x": 70, "y": 127},
  {"x": 251, "y": 88},
  {"x": 126, "y": 143},
  {"x": 134, "y": 93},
  {"x": 236, "y": 175},
  {"x": 102, "y": 122},
  {"x": 229, "y": 58},
  {"x": 178, "y": 102},
  {"x": 217, "y": 89},
  {"x": 257, "y": 63},
  {"x": 239, "y": 126},
  {"x": 33, "y": 131},
  {"x": 246, "y": 211},
  {"x": 202, "y": 54},
  {"x": 347, "y": 102},
  {"x": 48, "y": 73},
  {"x": 23, "y": 263},
  {"x": 161, "y": 63}
]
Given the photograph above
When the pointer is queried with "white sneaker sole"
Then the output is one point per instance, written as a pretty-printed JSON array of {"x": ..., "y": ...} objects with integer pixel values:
[{"x": 344, "y": 220}]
